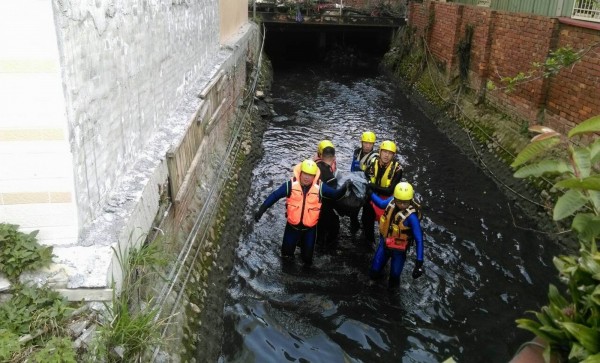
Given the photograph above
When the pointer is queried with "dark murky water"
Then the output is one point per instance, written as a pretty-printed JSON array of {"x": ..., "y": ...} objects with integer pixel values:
[{"x": 481, "y": 272}]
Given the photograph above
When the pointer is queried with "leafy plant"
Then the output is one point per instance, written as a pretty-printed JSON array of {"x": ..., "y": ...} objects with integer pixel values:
[
  {"x": 21, "y": 252},
  {"x": 9, "y": 345},
  {"x": 570, "y": 325},
  {"x": 57, "y": 350},
  {"x": 31, "y": 308}
]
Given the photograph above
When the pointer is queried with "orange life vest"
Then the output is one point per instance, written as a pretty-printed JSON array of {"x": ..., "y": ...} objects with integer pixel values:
[
  {"x": 302, "y": 208},
  {"x": 392, "y": 228}
]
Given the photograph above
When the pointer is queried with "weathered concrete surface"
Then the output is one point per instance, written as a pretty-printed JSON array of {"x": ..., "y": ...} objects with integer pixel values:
[
  {"x": 132, "y": 73},
  {"x": 129, "y": 70}
]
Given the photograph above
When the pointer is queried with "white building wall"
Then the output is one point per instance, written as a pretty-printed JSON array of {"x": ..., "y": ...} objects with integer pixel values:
[
  {"x": 126, "y": 66},
  {"x": 92, "y": 96},
  {"x": 36, "y": 169}
]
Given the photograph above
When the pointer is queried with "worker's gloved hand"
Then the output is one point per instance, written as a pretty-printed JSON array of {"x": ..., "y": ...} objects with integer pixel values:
[
  {"x": 259, "y": 213},
  {"x": 418, "y": 270}
]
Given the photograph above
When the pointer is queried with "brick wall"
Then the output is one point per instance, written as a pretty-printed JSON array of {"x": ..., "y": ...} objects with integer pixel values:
[
  {"x": 505, "y": 44},
  {"x": 519, "y": 40},
  {"x": 444, "y": 33},
  {"x": 418, "y": 17},
  {"x": 574, "y": 94},
  {"x": 481, "y": 20}
]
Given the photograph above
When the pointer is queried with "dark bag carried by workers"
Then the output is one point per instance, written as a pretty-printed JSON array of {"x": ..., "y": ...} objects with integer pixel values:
[{"x": 354, "y": 199}]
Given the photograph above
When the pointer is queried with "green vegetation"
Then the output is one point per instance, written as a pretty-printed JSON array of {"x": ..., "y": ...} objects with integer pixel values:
[
  {"x": 131, "y": 325},
  {"x": 570, "y": 325},
  {"x": 20, "y": 252},
  {"x": 32, "y": 320}
]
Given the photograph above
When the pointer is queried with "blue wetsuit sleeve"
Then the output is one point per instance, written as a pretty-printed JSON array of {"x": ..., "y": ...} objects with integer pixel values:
[
  {"x": 415, "y": 225},
  {"x": 331, "y": 193},
  {"x": 277, "y": 194},
  {"x": 355, "y": 166},
  {"x": 381, "y": 202}
]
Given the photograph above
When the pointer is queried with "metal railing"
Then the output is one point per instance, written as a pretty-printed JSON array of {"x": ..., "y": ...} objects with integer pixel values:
[{"x": 586, "y": 10}]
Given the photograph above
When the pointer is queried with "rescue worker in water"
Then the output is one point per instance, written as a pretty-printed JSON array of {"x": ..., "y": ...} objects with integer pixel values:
[
  {"x": 328, "y": 228},
  {"x": 399, "y": 227},
  {"x": 304, "y": 193},
  {"x": 362, "y": 157},
  {"x": 383, "y": 173}
]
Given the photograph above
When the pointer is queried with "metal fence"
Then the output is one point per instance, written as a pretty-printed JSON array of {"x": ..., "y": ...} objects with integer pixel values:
[{"x": 586, "y": 10}]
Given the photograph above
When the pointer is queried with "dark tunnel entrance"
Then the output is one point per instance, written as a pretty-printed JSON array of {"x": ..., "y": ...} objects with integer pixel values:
[{"x": 336, "y": 46}]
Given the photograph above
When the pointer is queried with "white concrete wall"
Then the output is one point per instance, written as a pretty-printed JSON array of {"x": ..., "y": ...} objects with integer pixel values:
[
  {"x": 36, "y": 169},
  {"x": 126, "y": 65},
  {"x": 92, "y": 95}
]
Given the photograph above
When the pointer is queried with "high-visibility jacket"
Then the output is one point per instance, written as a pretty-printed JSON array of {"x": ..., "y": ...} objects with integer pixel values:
[
  {"x": 303, "y": 208},
  {"x": 388, "y": 175}
]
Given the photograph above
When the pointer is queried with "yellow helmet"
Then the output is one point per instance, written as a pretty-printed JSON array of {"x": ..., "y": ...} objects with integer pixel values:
[
  {"x": 367, "y": 136},
  {"x": 388, "y": 145},
  {"x": 404, "y": 191},
  {"x": 322, "y": 145},
  {"x": 309, "y": 167}
]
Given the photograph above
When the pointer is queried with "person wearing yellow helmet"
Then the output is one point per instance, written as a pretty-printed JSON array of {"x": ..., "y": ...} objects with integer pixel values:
[
  {"x": 328, "y": 227},
  {"x": 321, "y": 146},
  {"x": 363, "y": 155},
  {"x": 361, "y": 158},
  {"x": 304, "y": 193},
  {"x": 399, "y": 227},
  {"x": 383, "y": 173}
]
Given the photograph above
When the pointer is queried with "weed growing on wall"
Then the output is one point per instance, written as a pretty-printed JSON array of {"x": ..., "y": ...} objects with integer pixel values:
[
  {"x": 21, "y": 252},
  {"x": 131, "y": 325}
]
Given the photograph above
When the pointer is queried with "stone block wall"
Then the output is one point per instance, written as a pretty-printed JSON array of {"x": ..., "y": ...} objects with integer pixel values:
[{"x": 506, "y": 43}]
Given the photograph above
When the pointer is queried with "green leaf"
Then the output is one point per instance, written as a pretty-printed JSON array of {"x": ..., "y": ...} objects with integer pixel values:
[
  {"x": 533, "y": 149},
  {"x": 587, "y": 225},
  {"x": 544, "y": 167},
  {"x": 592, "y": 359},
  {"x": 589, "y": 338},
  {"x": 595, "y": 151},
  {"x": 589, "y": 265},
  {"x": 581, "y": 157},
  {"x": 568, "y": 204},
  {"x": 556, "y": 298},
  {"x": 589, "y": 183},
  {"x": 587, "y": 126},
  {"x": 534, "y": 327},
  {"x": 595, "y": 198}
]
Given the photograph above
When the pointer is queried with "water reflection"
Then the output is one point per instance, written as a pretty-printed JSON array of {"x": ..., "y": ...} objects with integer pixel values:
[{"x": 481, "y": 272}]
